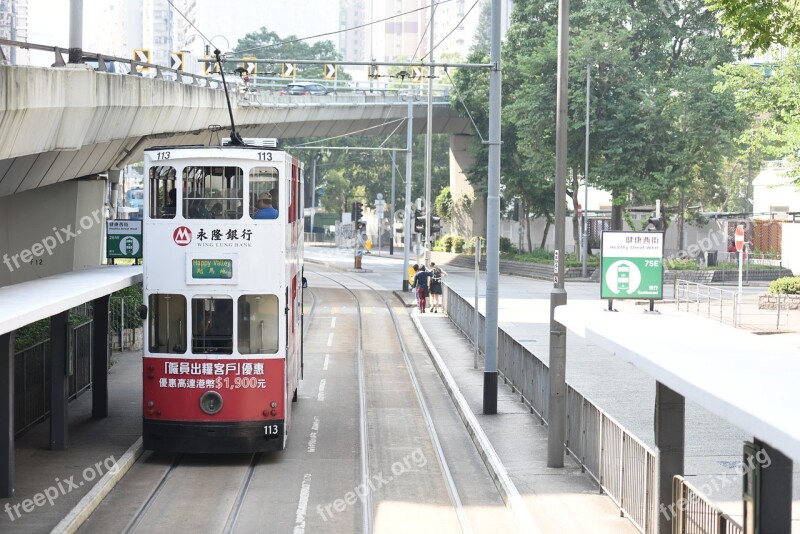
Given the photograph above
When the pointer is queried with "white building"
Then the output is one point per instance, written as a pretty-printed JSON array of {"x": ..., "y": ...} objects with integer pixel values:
[
  {"x": 14, "y": 26},
  {"x": 774, "y": 193}
]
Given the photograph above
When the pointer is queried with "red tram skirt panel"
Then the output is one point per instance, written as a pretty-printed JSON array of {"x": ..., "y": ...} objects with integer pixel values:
[{"x": 213, "y": 406}]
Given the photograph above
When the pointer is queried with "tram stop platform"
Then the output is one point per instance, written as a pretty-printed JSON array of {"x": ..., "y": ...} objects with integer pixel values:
[
  {"x": 513, "y": 443},
  {"x": 51, "y": 484}
]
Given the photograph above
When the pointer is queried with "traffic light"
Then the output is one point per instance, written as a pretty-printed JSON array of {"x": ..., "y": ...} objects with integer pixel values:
[
  {"x": 419, "y": 222},
  {"x": 655, "y": 224},
  {"x": 436, "y": 226},
  {"x": 357, "y": 212}
]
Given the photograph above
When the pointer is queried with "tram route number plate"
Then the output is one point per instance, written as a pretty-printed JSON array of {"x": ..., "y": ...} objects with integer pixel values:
[
  {"x": 212, "y": 268},
  {"x": 273, "y": 430}
]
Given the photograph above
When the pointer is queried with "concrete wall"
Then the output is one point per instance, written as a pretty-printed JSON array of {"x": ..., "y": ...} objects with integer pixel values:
[
  {"x": 54, "y": 229},
  {"x": 791, "y": 251}
]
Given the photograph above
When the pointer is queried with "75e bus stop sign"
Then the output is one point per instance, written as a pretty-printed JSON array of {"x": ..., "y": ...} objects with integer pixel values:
[{"x": 632, "y": 265}]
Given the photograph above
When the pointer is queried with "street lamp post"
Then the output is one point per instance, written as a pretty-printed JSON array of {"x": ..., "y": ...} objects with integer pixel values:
[
  {"x": 557, "y": 408},
  {"x": 585, "y": 251}
]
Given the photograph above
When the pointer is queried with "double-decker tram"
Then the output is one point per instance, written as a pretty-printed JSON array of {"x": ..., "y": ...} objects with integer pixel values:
[{"x": 223, "y": 289}]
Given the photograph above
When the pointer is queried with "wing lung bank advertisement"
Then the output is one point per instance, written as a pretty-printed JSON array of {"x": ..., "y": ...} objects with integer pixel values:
[{"x": 632, "y": 265}]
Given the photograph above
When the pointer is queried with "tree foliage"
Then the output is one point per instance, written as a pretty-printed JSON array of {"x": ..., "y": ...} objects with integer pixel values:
[
  {"x": 758, "y": 25},
  {"x": 658, "y": 130},
  {"x": 266, "y": 44}
]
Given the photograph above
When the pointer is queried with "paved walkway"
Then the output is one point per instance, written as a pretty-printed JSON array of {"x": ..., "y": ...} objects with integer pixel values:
[{"x": 49, "y": 484}]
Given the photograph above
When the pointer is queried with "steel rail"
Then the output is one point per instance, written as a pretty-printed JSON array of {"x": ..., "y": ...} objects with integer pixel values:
[{"x": 452, "y": 490}]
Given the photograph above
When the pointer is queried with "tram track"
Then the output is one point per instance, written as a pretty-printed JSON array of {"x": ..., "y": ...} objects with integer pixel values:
[
  {"x": 257, "y": 492},
  {"x": 452, "y": 490}
]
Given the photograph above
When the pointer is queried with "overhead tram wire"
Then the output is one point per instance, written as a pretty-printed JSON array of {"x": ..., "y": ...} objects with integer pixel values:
[
  {"x": 299, "y": 39},
  {"x": 453, "y": 30}
]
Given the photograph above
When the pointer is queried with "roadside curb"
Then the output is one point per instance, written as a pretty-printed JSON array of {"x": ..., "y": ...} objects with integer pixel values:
[
  {"x": 78, "y": 515},
  {"x": 503, "y": 482}
]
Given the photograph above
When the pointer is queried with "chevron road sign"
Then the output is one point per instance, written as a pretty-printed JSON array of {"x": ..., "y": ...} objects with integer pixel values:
[
  {"x": 329, "y": 71},
  {"x": 142, "y": 56},
  {"x": 288, "y": 70},
  {"x": 250, "y": 67},
  {"x": 176, "y": 60}
]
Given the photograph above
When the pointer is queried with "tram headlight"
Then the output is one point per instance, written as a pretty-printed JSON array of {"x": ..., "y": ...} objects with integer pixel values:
[{"x": 211, "y": 402}]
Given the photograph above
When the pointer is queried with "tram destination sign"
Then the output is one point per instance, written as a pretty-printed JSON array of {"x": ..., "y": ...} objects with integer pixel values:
[
  {"x": 124, "y": 239},
  {"x": 212, "y": 268},
  {"x": 632, "y": 265}
]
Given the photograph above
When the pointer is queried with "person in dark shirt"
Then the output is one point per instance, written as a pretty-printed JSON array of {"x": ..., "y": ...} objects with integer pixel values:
[{"x": 421, "y": 282}]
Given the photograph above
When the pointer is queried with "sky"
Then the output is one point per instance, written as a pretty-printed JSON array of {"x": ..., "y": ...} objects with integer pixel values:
[
  {"x": 48, "y": 20},
  {"x": 48, "y": 24}
]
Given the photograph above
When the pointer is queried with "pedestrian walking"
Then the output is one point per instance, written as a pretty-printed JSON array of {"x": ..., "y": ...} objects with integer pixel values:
[
  {"x": 437, "y": 273},
  {"x": 421, "y": 284}
]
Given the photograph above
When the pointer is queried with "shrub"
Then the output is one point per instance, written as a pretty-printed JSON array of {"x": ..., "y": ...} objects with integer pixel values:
[
  {"x": 447, "y": 243},
  {"x": 788, "y": 285},
  {"x": 507, "y": 246},
  {"x": 458, "y": 244},
  {"x": 678, "y": 264},
  {"x": 470, "y": 249}
]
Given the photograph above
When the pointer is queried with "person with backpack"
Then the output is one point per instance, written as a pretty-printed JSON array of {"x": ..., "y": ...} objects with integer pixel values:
[
  {"x": 437, "y": 273},
  {"x": 421, "y": 282}
]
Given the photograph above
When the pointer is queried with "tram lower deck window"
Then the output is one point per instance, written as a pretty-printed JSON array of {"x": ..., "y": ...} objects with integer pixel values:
[
  {"x": 258, "y": 324},
  {"x": 167, "y": 324},
  {"x": 212, "y": 325}
]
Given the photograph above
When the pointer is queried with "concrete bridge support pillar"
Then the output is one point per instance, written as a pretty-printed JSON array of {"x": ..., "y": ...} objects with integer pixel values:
[
  {"x": 468, "y": 220},
  {"x": 114, "y": 179}
]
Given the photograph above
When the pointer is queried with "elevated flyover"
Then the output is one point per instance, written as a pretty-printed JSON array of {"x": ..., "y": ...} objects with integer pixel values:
[{"x": 62, "y": 123}]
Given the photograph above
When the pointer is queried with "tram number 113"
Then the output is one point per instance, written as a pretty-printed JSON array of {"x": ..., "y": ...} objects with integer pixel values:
[{"x": 270, "y": 430}]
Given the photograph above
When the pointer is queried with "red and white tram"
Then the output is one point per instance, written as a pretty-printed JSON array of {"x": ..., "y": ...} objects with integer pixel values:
[{"x": 224, "y": 296}]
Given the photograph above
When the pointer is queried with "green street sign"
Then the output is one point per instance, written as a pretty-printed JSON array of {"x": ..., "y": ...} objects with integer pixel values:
[
  {"x": 124, "y": 239},
  {"x": 632, "y": 265}
]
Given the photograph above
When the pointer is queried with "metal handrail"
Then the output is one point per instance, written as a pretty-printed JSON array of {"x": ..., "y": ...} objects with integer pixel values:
[
  {"x": 691, "y": 511},
  {"x": 687, "y": 292},
  {"x": 623, "y": 466}
]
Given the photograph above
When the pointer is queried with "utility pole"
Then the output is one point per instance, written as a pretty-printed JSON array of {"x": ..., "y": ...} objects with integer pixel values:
[
  {"x": 585, "y": 251},
  {"x": 429, "y": 147},
  {"x": 493, "y": 221},
  {"x": 557, "y": 413},
  {"x": 314, "y": 191},
  {"x": 408, "y": 222},
  {"x": 76, "y": 31},
  {"x": 391, "y": 208}
]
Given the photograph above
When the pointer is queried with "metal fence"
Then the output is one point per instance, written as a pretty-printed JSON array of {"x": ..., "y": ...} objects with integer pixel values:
[
  {"x": 724, "y": 305},
  {"x": 695, "y": 514},
  {"x": 709, "y": 301},
  {"x": 32, "y": 376},
  {"x": 125, "y": 325},
  {"x": 624, "y": 467}
]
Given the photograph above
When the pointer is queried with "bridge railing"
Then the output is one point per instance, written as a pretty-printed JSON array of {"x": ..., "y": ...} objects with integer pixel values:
[
  {"x": 118, "y": 65},
  {"x": 358, "y": 91}
]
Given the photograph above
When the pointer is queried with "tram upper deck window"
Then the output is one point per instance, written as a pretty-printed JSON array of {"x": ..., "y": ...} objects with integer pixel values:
[
  {"x": 212, "y": 325},
  {"x": 258, "y": 324},
  {"x": 212, "y": 192},
  {"x": 167, "y": 324},
  {"x": 163, "y": 202},
  {"x": 264, "y": 188}
]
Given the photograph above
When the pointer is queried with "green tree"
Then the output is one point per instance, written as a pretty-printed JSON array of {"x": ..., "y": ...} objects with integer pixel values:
[
  {"x": 266, "y": 44},
  {"x": 758, "y": 25},
  {"x": 771, "y": 102}
]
